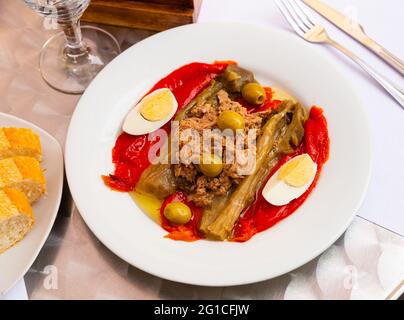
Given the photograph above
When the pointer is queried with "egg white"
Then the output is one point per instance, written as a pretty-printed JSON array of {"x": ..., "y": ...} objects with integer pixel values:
[
  {"x": 136, "y": 124},
  {"x": 279, "y": 193}
]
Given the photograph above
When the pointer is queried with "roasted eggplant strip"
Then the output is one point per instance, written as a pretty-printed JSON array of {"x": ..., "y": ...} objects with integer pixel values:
[
  {"x": 234, "y": 78},
  {"x": 210, "y": 214},
  {"x": 158, "y": 180},
  {"x": 281, "y": 134}
]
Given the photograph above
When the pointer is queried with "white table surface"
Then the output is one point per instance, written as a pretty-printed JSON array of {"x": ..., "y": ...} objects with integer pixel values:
[{"x": 18, "y": 292}]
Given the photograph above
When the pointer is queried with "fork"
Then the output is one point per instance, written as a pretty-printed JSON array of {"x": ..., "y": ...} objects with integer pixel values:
[{"x": 306, "y": 26}]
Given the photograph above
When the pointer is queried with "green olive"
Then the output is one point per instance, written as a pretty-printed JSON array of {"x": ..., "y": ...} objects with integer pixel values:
[
  {"x": 230, "y": 120},
  {"x": 211, "y": 165},
  {"x": 178, "y": 213},
  {"x": 253, "y": 93}
]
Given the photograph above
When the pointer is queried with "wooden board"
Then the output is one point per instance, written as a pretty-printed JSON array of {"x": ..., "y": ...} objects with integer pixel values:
[{"x": 155, "y": 15}]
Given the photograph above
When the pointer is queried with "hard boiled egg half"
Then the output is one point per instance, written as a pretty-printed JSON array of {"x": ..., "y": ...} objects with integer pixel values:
[
  {"x": 151, "y": 113},
  {"x": 290, "y": 181}
]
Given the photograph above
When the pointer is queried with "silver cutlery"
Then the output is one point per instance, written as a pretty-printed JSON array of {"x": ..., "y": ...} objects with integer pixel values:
[
  {"x": 307, "y": 27},
  {"x": 356, "y": 31}
]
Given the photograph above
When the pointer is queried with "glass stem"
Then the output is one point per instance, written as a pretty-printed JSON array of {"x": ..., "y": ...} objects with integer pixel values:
[{"x": 75, "y": 46}]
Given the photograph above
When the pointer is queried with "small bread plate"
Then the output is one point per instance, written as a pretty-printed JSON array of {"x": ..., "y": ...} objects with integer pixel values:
[{"x": 16, "y": 261}]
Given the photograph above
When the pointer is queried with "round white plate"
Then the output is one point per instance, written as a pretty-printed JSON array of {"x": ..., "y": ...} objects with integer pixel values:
[
  {"x": 276, "y": 58},
  {"x": 16, "y": 261}
]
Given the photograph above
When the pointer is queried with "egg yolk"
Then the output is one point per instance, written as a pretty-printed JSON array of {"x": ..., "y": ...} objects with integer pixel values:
[
  {"x": 157, "y": 106},
  {"x": 298, "y": 171}
]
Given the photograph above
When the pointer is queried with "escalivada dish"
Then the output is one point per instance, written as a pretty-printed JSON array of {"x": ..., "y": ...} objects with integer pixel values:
[{"x": 204, "y": 195}]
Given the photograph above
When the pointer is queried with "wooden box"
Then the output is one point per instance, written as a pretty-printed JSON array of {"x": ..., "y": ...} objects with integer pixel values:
[{"x": 155, "y": 15}]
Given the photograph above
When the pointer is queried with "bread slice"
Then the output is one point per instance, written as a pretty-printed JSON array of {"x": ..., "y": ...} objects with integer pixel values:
[
  {"x": 23, "y": 174},
  {"x": 16, "y": 218},
  {"x": 19, "y": 142}
]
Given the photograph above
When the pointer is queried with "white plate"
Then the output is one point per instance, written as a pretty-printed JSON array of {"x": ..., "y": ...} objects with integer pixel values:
[
  {"x": 276, "y": 58},
  {"x": 15, "y": 262}
]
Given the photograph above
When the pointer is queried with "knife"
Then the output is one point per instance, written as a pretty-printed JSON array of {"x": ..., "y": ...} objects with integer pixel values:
[{"x": 356, "y": 31}]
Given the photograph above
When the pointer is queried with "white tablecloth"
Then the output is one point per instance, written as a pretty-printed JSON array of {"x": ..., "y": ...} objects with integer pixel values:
[{"x": 18, "y": 292}]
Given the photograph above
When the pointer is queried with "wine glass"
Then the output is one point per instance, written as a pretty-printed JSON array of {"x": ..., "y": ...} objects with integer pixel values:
[{"x": 70, "y": 60}]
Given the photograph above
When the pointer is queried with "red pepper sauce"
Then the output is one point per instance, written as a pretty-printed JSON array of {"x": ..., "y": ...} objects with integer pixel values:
[
  {"x": 130, "y": 154},
  {"x": 263, "y": 215},
  {"x": 188, "y": 232}
]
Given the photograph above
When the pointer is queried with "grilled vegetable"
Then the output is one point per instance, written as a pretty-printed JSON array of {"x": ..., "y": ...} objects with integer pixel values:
[
  {"x": 157, "y": 179},
  {"x": 234, "y": 78},
  {"x": 211, "y": 213}
]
